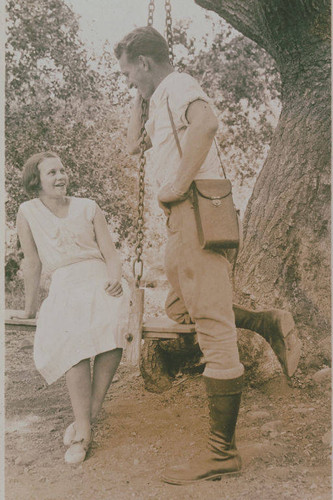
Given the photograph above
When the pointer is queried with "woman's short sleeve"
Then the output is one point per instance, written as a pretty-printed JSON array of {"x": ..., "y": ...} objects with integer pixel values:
[
  {"x": 25, "y": 210},
  {"x": 90, "y": 209},
  {"x": 22, "y": 209}
]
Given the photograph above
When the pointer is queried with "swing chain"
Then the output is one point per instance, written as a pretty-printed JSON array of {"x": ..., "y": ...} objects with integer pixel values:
[
  {"x": 151, "y": 9},
  {"x": 168, "y": 28},
  {"x": 138, "y": 263}
]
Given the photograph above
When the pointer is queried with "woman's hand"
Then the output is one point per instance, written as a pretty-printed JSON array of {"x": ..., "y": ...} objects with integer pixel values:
[
  {"x": 113, "y": 288},
  {"x": 23, "y": 315}
]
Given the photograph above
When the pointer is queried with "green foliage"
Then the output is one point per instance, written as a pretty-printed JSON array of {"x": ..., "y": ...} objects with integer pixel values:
[{"x": 55, "y": 101}]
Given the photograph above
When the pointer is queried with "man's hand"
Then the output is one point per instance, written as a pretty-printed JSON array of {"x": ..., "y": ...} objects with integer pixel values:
[
  {"x": 23, "y": 315},
  {"x": 169, "y": 194},
  {"x": 165, "y": 207},
  {"x": 135, "y": 126},
  {"x": 113, "y": 288}
]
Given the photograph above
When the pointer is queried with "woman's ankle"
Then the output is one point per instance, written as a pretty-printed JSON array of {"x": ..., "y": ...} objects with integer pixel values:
[
  {"x": 94, "y": 414},
  {"x": 83, "y": 429}
]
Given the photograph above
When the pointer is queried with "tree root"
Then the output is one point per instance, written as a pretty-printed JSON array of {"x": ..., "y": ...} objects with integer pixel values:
[{"x": 162, "y": 360}]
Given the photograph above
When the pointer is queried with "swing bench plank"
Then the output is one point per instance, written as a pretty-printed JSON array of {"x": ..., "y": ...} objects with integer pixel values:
[
  {"x": 157, "y": 328},
  {"x": 161, "y": 328},
  {"x": 29, "y": 323}
]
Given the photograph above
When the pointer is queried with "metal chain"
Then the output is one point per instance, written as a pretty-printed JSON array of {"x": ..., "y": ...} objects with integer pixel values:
[
  {"x": 138, "y": 262},
  {"x": 168, "y": 29},
  {"x": 151, "y": 9}
]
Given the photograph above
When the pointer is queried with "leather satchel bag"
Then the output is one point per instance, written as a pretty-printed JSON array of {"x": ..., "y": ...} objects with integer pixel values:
[
  {"x": 215, "y": 214},
  {"x": 216, "y": 217}
]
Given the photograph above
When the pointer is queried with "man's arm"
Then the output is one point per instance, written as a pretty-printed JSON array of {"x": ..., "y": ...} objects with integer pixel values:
[
  {"x": 202, "y": 128},
  {"x": 134, "y": 128}
]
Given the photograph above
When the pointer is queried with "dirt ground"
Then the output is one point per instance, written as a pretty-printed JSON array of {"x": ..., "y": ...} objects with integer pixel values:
[{"x": 282, "y": 437}]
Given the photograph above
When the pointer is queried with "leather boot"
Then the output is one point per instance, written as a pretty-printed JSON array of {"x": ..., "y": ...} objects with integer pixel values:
[
  {"x": 277, "y": 327},
  {"x": 221, "y": 457}
]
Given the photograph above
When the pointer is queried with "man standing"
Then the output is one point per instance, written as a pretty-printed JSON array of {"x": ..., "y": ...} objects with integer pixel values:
[{"x": 201, "y": 288}]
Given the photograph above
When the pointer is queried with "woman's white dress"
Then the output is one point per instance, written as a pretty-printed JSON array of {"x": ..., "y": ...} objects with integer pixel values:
[{"x": 78, "y": 319}]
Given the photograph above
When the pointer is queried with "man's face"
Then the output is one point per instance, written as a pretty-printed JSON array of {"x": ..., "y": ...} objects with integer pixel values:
[{"x": 138, "y": 75}]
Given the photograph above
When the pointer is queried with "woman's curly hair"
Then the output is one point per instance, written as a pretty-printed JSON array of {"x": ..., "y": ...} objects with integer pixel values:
[{"x": 31, "y": 173}]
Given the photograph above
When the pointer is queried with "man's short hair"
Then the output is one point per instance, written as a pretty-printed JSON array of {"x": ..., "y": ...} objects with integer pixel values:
[
  {"x": 31, "y": 173},
  {"x": 144, "y": 41}
]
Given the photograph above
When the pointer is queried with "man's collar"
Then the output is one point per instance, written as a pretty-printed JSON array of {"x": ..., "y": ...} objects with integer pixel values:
[{"x": 160, "y": 88}]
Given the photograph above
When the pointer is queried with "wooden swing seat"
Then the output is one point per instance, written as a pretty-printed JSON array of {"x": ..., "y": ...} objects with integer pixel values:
[
  {"x": 153, "y": 328},
  {"x": 30, "y": 324},
  {"x": 164, "y": 328}
]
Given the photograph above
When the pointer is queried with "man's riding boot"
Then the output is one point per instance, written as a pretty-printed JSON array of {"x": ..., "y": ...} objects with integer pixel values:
[
  {"x": 277, "y": 327},
  {"x": 222, "y": 456}
]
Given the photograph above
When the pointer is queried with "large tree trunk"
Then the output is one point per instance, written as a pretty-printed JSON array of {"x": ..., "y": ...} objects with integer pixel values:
[{"x": 286, "y": 254}]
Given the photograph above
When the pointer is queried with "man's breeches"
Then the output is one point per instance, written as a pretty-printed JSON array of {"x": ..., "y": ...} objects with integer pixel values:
[{"x": 201, "y": 291}]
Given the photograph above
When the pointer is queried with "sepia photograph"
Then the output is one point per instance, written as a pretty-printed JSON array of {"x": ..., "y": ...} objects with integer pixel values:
[{"x": 167, "y": 252}]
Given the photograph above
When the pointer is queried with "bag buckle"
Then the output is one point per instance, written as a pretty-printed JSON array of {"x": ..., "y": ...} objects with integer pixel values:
[{"x": 217, "y": 203}]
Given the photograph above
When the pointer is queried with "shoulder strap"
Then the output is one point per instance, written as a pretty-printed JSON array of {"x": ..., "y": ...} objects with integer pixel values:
[
  {"x": 219, "y": 155},
  {"x": 174, "y": 130}
]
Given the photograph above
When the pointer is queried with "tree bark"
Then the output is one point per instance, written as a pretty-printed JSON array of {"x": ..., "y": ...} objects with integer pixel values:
[{"x": 286, "y": 255}]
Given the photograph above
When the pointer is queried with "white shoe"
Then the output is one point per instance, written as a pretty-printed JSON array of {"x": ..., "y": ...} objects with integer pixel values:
[{"x": 77, "y": 451}]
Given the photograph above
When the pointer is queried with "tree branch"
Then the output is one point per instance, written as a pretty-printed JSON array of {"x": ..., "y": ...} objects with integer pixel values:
[
  {"x": 275, "y": 25},
  {"x": 243, "y": 15}
]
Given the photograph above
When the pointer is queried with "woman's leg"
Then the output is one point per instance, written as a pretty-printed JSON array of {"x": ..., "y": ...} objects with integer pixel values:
[
  {"x": 79, "y": 386},
  {"x": 105, "y": 367}
]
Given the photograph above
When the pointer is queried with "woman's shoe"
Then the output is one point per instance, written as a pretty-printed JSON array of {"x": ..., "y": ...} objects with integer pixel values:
[
  {"x": 77, "y": 451},
  {"x": 69, "y": 435}
]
